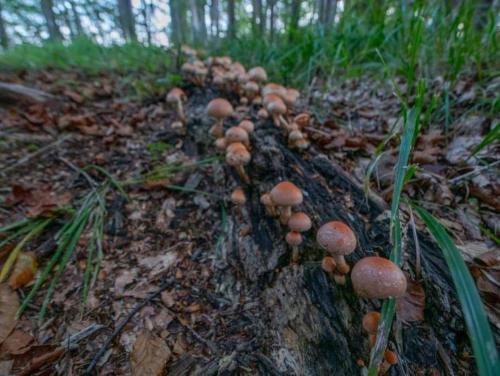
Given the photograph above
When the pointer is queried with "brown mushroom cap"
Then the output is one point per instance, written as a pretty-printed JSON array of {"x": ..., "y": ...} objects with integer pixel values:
[
  {"x": 378, "y": 278},
  {"x": 247, "y": 125},
  {"x": 328, "y": 264},
  {"x": 370, "y": 322},
  {"x": 299, "y": 222},
  {"x": 238, "y": 197},
  {"x": 175, "y": 94},
  {"x": 390, "y": 357},
  {"x": 221, "y": 143},
  {"x": 286, "y": 194},
  {"x": 219, "y": 108},
  {"x": 251, "y": 87},
  {"x": 291, "y": 96},
  {"x": 265, "y": 199},
  {"x": 295, "y": 135},
  {"x": 293, "y": 238},
  {"x": 302, "y": 119},
  {"x": 276, "y": 107},
  {"x": 236, "y": 134},
  {"x": 272, "y": 88},
  {"x": 257, "y": 74},
  {"x": 337, "y": 238},
  {"x": 237, "y": 155}
]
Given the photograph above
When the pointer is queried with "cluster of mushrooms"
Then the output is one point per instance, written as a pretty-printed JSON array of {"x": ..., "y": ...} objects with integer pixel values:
[{"x": 372, "y": 277}]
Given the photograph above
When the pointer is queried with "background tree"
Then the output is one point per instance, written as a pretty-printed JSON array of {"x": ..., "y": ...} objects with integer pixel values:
[
  {"x": 127, "y": 21},
  {"x": 231, "y": 18},
  {"x": 4, "y": 39},
  {"x": 50, "y": 19}
]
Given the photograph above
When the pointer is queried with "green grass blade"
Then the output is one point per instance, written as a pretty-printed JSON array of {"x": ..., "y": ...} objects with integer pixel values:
[
  {"x": 111, "y": 178},
  {"x": 15, "y": 225},
  {"x": 475, "y": 317},
  {"x": 491, "y": 136}
]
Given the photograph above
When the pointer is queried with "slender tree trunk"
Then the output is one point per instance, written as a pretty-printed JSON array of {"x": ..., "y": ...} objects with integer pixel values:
[
  {"x": 50, "y": 20},
  {"x": 4, "y": 39},
  {"x": 203, "y": 25},
  {"x": 294, "y": 17},
  {"x": 214, "y": 18},
  {"x": 76, "y": 18},
  {"x": 231, "y": 18},
  {"x": 198, "y": 20},
  {"x": 272, "y": 17},
  {"x": 145, "y": 12},
  {"x": 127, "y": 21}
]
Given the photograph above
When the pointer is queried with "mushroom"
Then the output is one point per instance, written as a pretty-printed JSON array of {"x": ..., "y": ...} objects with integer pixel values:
[
  {"x": 370, "y": 325},
  {"x": 247, "y": 125},
  {"x": 294, "y": 137},
  {"x": 257, "y": 74},
  {"x": 262, "y": 113},
  {"x": 294, "y": 239},
  {"x": 378, "y": 278},
  {"x": 339, "y": 240},
  {"x": 251, "y": 89},
  {"x": 291, "y": 96},
  {"x": 277, "y": 109},
  {"x": 237, "y": 134},
  {"x": 238, "y": 156},
  {"x": 302, "y": 144},
  {"x": 272, "y": 88},
  {"x": 238, "y": 197},
  {"x": 302, "y": 119},
  {"x": 175, "y": 97},
  {"x": 266, "y": 200},
  {"x": 221, "y": 143},
  {"x": 329, "y": 265},
  {"x": 219, "y": 109},
  {"x": 298, "y": 222},
  {"x": 285, "y": 195},
  {"x": 178, "y": 127}
]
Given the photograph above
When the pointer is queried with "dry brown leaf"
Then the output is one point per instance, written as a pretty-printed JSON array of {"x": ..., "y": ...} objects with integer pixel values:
[
  {"x": 410, "y": 307},
  {"x": 40, "y": 201},
  {"x": 9, "y": 303},
  {"x": 149, "y": 355},
  {"x": 17, "y": 343},
  {"x": 24, "y": 270}
]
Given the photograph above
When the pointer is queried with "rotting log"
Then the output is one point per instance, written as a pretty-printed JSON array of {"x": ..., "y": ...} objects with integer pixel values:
[
  {"x": 13, "y": 93},
  {"x": 310, "y": 325}
]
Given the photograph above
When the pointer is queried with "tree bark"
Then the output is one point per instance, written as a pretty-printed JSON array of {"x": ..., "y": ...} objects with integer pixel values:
[
  {"x": 272, "y": 16},
  {"x": 76, "y": 18},
  {"x": 50, "y": 20},
  {"x": 127, "y": 20},
  {"x": 4, "y": 39},
  {"x": 294, "y": 17},
  {"x": 198, "y": 20},
  {"x": 231, "y": 19},
  {"x": 214, "y": 18}
]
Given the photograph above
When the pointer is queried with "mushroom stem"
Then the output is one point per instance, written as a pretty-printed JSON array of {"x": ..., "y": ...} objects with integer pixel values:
[
  {"x": 276, "y": 120},
  {"x": 271, "y": 210},
  {"x": 282, "y": 121},
  {"x": 295, "y": 254},
  {"x": 180, "y": 111},
  {"x": 285, "y": 214},
  {"x": 339, "y": 278},
  {"x": 217, "y": 129},
  {"x": 342, "y": 266},
  {"x": 241, "y": 172}
]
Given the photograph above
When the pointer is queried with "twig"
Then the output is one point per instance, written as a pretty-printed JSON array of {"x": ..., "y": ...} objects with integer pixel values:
[
  {"x": 473, "y": 172},
  {"x": 42, "y": 150},
  {"x": 124, "y": 322},
  {"x": 90, "y": 180}
]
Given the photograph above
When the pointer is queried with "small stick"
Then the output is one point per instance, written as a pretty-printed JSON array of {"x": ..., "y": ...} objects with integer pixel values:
[
  {"x": 124, "y": 322},
  {"x": 471, "y": 173}
]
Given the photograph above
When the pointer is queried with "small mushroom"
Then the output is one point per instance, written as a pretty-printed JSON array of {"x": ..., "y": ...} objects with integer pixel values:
[
  {"x": 262, "y": 113},
  {"x": 251, "y": 89},
  {"x": 294, "y": 239},
  {"x": 272, "y": 88},
  {"x": 257, "y": 74},
  {"x": 302, "y": 144},
  {"x": 285, "y": 195},
  {"x": 339, "y": 240},
  {"x": 370, "y": 325},
  {"x": 221, "y": 143},
  {"x": 298, "y": 222},
  {"x": 238, "y": 156},
  {"x": 237, "y": 134},
  {"x": 238, "y": 197},
  {"x": 266, "y": 200},
  {"x": 291, "y": 97},
  {"x": 294, "y": 137},
  {"x": 175, "y": 97},
  {"x": 277, "y": 108},
  {"x": 329, "y": 265},
  {"x": 247, "y": 125},
  {"x": 302, "y": 119},
  {"x": 219, "y": 109},
  {"x": 378, "y": 278}
]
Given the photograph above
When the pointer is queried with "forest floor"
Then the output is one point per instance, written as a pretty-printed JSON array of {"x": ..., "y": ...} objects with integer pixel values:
[{"x": 172, "y": 230}]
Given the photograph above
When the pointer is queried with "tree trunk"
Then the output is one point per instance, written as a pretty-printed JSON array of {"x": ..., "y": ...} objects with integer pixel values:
[
  {"x": 76, "y": 18},
  {"x": 198, "y": 20},
  {"x": 231, "y": 19},
  {"x": 127, "y": 21},
  {"x": 294, "y": 17},
  {"x": 50, "y": 20},
  {"x": 146, "y": 19},
  {"x": 306, "y": 323},
  {"x": 272, "y": 19},
  {"x": 4, "y": 39},
  {"x": 214, "y": 18}
]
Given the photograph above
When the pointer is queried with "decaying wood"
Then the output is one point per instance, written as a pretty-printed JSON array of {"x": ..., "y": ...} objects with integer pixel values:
[
  {"x": 310, "y": 325},
  {"x": 13, "y": 93}
]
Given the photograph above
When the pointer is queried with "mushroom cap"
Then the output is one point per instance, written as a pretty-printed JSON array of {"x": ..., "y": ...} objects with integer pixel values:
[
  {"x": 286, "y": 194},
  {"x": 337, "y": 238},
  {"x": 370, "y": 322},
  {"x": 276, "y": 107},
  {"x": 251, "y": 87},
  {"x": 221, "y": 143},
  {"x": 391, "y": 357},
  {"x": 237, "y": 156},
  {"x": 293, "y": 238},
  {"x": 328, "y": 264},
  {"x": 295, "y": 135},
  {"x": 299, "y": 222},
  {"x": 257, "y": 74},
  {"x": 247, "y": 125},
  {"x": 262, "y": 113},
  {"x": 378, "y": 278},
  {"x": 265, "y": 199},
  {"x": 175, "y": 94},
  {"x": 219, "y": 108},
  {"x": 238, "y": 197},
  {"x": 302, "y": 119},
  {"x": 236, "y": 134},
  {"x": 302, "y": 144},
  {"x": 291, "y": 96},
  {"x": 272, "y": 88},
  {"x": 238, "y": 68},
  {"x": 218, "y": 80}
]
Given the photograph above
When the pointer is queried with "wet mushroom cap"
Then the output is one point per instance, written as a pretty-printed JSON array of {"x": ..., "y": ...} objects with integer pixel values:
[
  {"x": 277, "y": 107},
  {"x": 391, "y": 357},
  {"x": 293, "y": 238},
  {"x": 299, "y": 222},
  {"x": 378, "y": 278},
  {"x": 247, "y": 125},
  {"x": 238, "y": 197},
  {"x": 175, "y": 95},
  {"x": 286, "y": 194},
  {"x": 221, "y": 143},
  {"x": 219, "y": 108},
  {"x": 273, "y": 88},
  {"x": 370, "y": 322},
  {"x": 237, "y": 156},
  {"x": 295, "y": 135},
  {"x": 337, "y": 238},
  {"x": 236, "y": 134},
  {"x": 251, "y": 87},
  {"x": 257, "y": 74},
  {"x": 328, "y": 264}
]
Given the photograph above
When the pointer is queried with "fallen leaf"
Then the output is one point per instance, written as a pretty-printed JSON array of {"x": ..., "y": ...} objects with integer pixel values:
[
  {"x": 37, "y": 202},
  {"x": 149, "y": 355},
  {"x": 24, "y": 270},
  {"x": 410, "y": 307},
  {"x": 123, "y": 280},
  {"x": 17, "y": 343},
  {"x": 75, "y": 97},
  {"x": 9, "y": 303},
  {"x": 159, "y": 263}
]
